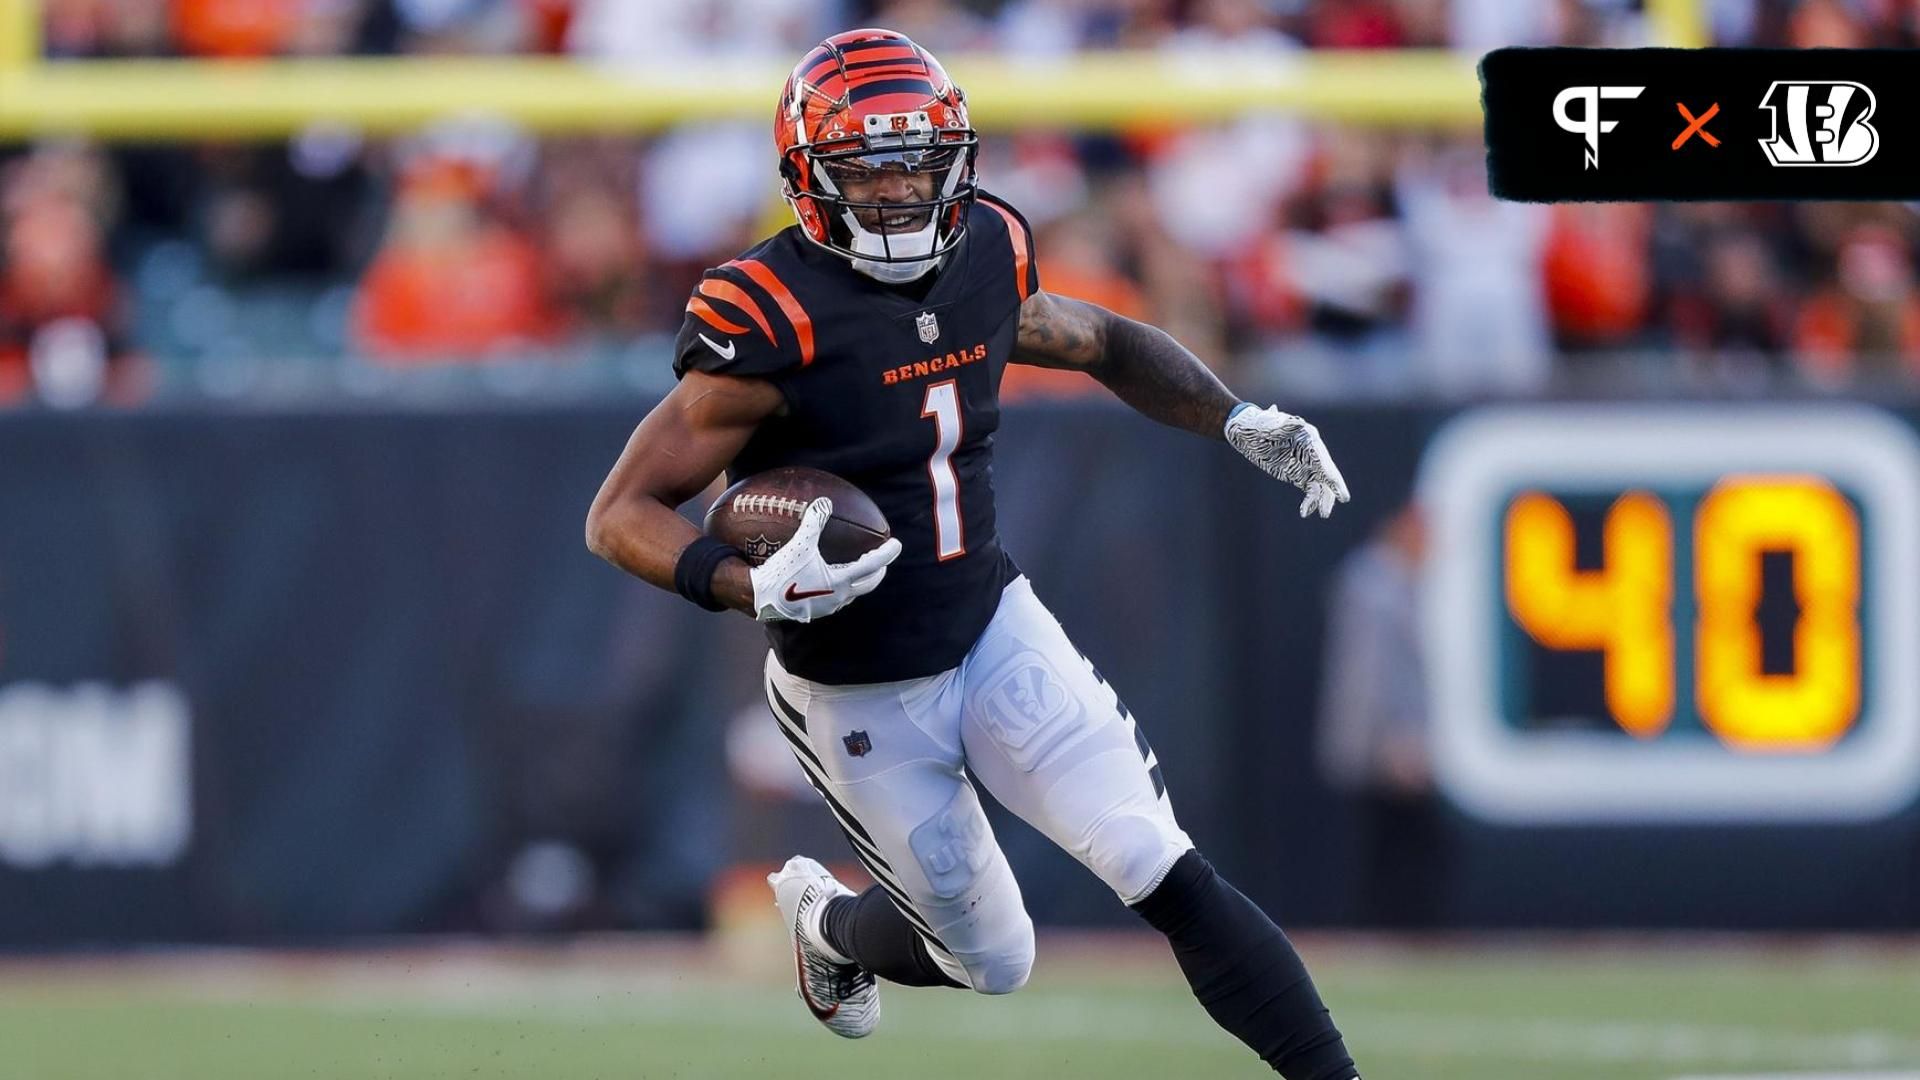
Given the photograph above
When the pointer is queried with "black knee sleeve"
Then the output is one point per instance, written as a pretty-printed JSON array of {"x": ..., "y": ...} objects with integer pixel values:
[
  {"x": 1245, "y": 972},
  {"x": 871, "y": 930}
]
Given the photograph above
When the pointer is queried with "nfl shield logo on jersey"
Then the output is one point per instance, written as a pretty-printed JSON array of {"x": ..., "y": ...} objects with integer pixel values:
[{"x": 928, "y": 326}]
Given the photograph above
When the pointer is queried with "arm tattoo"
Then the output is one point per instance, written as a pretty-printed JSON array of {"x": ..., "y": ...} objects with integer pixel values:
[
  {"x": 1156, "y": 375},
  {"x": 1143, "y": 365},
  {"x": 1057, "y": 332}
]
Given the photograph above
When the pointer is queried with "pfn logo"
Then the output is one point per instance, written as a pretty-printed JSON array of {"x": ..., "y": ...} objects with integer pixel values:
[
  {"x": 1589, "y": 124},
  {"x": 1826, "y": 124}
]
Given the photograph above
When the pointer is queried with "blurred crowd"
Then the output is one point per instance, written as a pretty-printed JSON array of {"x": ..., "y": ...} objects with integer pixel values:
[{"x": 1317, "y": 261}]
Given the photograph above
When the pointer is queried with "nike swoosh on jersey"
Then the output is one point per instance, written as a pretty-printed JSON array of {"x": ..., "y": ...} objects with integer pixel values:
[
  {"x": 793, "y": 595},
  {"x": 726, "y": 353}
]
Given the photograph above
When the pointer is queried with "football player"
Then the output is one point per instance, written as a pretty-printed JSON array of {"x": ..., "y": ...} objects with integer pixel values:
[{"x": 868, "y": 340}]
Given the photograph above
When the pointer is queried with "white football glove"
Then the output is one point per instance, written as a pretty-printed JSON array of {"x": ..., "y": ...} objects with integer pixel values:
[
  {"x": 1288, "y": 448},
  {"x": 798, "y": 583}
]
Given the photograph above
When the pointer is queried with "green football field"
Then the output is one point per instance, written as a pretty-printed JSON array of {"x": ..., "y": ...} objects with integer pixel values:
[{"x": 1097, "y": 1008}]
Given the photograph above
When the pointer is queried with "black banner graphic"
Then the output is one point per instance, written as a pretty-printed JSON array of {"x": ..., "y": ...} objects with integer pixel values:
[{"x": 1584, "y": 125}]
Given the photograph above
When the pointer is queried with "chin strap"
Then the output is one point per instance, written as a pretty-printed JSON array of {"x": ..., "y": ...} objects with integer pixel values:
[{"x": 896, "y": 273}]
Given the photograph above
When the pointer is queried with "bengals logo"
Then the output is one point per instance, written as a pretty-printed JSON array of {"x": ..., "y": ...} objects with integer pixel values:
[
  {"x": 900, "y": 123},
  {"x": 1820, "y": 123}
]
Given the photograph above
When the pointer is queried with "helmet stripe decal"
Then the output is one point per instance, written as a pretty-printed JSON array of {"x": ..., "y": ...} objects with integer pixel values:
[
  {"x": 797, "y": 315},
  {"x": 895, "y": 103},
  {"x": 882, "y": 39},
  {"x": 704, "y": 310},
  {"x": 857, "y": 74},
  {"x": 919, "y": 88},
  {"x": 819, "y": 73},
  {"x": 729, "y": 293},
  {"x": 1021, "y": 255},
  {"x": 874, "y": 57}
]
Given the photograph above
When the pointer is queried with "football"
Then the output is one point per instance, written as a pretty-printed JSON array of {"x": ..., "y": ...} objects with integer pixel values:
[{"x": 759, "y": 513}]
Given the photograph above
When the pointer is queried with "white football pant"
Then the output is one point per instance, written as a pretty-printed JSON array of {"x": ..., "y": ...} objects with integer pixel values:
[{"x": 1026, "y": 715}]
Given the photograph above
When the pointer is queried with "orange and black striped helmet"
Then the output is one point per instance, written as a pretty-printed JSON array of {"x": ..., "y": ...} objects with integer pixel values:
[{"x": 862, "y": 105}]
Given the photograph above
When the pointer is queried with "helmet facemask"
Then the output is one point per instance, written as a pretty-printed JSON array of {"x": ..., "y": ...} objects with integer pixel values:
[{"x": 890, "y": 239}]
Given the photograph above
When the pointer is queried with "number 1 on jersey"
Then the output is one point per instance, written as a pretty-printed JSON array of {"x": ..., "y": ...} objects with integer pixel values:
[{"x": 943, "y": 404}]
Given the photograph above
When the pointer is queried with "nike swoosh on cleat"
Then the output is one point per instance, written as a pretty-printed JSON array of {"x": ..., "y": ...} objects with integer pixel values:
[
  {"x": 792, "y": 595},
  {"x": 725, "y": 354}
]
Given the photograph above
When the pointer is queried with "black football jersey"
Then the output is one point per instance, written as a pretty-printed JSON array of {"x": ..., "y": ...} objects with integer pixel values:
[{"x": 896, "y": 390}]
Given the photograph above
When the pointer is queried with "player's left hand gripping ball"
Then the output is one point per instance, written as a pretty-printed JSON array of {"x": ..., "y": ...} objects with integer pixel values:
[
  {"x": 797, "y": 583},
  {"x": 1288, "y": 448}
]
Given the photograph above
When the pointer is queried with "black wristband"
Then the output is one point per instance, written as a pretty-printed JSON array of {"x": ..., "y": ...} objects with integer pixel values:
[{"x": 693, "y": 574}]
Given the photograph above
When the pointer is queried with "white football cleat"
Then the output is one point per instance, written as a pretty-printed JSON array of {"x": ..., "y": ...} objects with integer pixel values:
[{"x": 840, "y": 994}]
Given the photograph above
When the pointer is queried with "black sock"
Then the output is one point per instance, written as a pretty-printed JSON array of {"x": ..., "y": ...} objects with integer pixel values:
[
  {"x": 1245, "y": 972},
  {"x": 874, "y": 933}
]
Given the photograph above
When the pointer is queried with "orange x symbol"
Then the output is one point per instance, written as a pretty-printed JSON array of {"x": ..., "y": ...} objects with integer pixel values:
[{"x": 1698, "y": 124}]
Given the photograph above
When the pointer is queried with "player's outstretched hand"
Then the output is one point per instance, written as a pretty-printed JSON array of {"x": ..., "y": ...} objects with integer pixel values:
[
  {"x": 1288, "y": 448},
  {"x": 798, "y": 583}
]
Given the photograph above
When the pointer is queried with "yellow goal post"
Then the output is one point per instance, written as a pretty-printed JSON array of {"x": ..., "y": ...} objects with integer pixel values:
[{"x": 270, "y": 99}]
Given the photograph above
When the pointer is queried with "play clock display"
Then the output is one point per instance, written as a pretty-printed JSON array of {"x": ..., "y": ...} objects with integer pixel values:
[{"x": 1675, "y": 614}]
